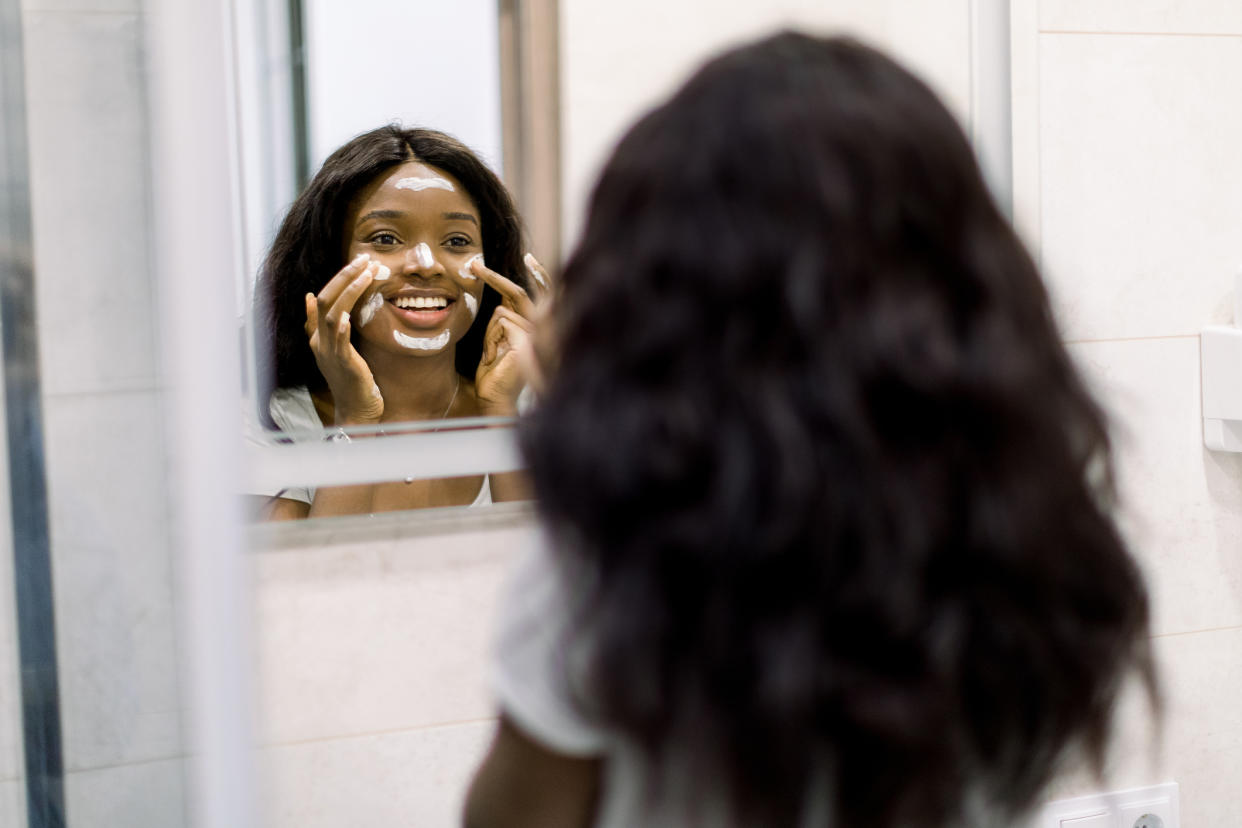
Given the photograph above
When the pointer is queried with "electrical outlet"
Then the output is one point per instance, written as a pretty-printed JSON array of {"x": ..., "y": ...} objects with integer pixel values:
[{"x": 1155, "y": 806}]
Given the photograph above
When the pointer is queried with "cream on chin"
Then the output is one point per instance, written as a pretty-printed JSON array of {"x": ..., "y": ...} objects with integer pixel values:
[{"x": 422, "y": 343}]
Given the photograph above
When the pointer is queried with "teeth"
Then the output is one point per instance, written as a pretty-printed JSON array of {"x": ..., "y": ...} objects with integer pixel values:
[{"x": 420, "y": 302}]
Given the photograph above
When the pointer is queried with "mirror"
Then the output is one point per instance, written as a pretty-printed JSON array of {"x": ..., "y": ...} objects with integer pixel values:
[
  {"x": 539, "y": 90},
  {"x": 410, "y": 340}
]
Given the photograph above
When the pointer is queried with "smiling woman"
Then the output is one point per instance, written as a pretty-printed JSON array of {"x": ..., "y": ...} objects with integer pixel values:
[{"x": 382, "y": 300}]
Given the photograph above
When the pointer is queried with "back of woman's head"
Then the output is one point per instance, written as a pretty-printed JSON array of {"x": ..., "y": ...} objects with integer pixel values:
[
  {"x": 814, "y": 433},
  {"x": 309, "y": 247}
]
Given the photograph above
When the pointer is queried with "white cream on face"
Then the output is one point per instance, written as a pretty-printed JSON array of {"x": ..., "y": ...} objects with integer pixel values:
[
  {"x": 472, "y": 304},
  {"x": 422, "y": 255},
  {"x": 534, "y": 272},
  {"x": 381, "y": 273},
  {"x": 367, "y": 312},
  {"x": 417, "y": 184},
  {"x": 422, "y": 343},
  {"x": 465, "y": 268}
]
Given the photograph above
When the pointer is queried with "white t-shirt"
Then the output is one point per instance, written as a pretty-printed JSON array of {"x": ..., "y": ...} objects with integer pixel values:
[{"x": 538, "y": 658}]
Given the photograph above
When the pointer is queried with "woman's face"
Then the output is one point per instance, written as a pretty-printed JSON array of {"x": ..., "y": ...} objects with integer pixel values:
[{"x": 419, "y": 222}]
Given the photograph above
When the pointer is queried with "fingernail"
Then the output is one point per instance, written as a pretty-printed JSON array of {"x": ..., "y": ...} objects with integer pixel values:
[
  {"x": 361, "y": 257},
  {"x": 344, "y": 325}
]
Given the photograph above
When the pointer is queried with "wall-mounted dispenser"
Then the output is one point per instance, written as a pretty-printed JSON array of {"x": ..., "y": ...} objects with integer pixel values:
[{"x": 1220, "y": 357}]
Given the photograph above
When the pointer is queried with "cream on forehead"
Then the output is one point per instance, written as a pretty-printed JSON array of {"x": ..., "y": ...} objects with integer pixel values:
[
  {"x": 367, "y": 312},
  {"x": 422, "y": 343},
  {"x": 472, "y": 304},
  {"x": 417, "y": 184},
  {"x": 465, "y": 268}
]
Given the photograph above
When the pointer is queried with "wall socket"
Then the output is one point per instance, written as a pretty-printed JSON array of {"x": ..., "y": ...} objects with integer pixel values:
[{"x": 1155, "y": 806}]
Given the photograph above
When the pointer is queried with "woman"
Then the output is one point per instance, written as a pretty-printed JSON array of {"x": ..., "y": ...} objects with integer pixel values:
[
  {"x": 828, "y": 539},
  {"x": 382, "y": 301}
]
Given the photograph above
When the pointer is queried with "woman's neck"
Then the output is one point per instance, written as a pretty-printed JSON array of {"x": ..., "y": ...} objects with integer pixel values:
[{"x": 416, "y": 388}]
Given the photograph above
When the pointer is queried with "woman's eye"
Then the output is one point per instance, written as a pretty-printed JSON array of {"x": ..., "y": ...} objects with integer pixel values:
[
  {"x": 459, "y": 241},
  {"x": 384, "y": 240}
]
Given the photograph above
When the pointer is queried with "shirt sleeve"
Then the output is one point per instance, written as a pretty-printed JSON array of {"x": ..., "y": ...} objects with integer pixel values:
[{"x": 533, "y": 657}]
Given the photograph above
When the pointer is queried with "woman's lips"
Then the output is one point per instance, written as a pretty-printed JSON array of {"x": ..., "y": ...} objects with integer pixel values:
[{"x": 422, "y": 318}]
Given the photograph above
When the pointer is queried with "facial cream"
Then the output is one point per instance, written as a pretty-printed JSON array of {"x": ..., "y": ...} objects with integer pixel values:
[
  {"x": 465, "y": 268},
  {"x": 422, "y": 343},
  {"x": 472, "y": 304},
  {"x": 433, "y": 183},
  {"x": 422, "y": 255},
  {"x": 367, "y": 312}
]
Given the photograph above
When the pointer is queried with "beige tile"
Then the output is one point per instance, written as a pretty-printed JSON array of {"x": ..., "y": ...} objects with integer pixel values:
[
  {"x": 87, "y": 121},
  {"x": 416, "y": 777},
  {"x": 1141, "y": 183},
  {"x": 146, "y": 795},
  {"x": 112, "y": 568},
  {"x": 1182, "y": 504},
  {"x": 604, "y": 89},
  {"x": 357, "y": 638},
  {"x": 1201, "y": 733},
  {"x": 12, "y": 802},
  {"x": 1159, "y": 16}
]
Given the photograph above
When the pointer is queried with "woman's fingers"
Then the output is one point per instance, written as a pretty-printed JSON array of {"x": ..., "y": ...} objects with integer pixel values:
[
  {"x": 521, "y": 321},
  {"x": 511, "y": 294},
  {"x": 538, "y": 273},
  {"x": 343, "y": 278},
  {"x": 336, "y": 314}
]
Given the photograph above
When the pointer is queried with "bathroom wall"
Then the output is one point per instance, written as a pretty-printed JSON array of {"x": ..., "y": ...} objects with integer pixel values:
[
  {"x": 1129, "y": 185},
  {"x": 372, "y": 635},
  {"x": 620, "y": 59},
  {"x": 120, "y": 700}
]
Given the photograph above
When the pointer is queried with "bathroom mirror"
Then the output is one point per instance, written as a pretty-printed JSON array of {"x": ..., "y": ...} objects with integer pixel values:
[
  {"x": 309, "y": 76},
  {"x": 549, "y": 87}
]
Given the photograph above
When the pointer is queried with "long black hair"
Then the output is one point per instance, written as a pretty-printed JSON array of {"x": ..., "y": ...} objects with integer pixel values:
[
  {"x": 310, "y": 246},
  {"x": 844, "y": 499}
]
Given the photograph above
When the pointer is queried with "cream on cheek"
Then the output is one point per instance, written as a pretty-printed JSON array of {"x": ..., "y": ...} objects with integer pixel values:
[
  {"x": 367, "y": 312},
  {"x": 472, "y": 304},
  {"x": 464, "y": 272},
  {"x": 422, "y": 343},
  {"x": 418, "y": 184}
]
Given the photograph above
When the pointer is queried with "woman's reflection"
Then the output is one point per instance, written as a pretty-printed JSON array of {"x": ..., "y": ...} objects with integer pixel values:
[{"x": 382, "y": 301}]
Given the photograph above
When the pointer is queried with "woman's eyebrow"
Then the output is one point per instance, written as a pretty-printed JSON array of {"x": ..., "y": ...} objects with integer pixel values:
[
  {"x": 459, "y": 217},
  {"x": 383, "y": 214}
]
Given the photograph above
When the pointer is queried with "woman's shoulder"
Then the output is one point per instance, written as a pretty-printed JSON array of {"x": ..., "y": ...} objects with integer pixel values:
[{"x": 293, "y": 411}]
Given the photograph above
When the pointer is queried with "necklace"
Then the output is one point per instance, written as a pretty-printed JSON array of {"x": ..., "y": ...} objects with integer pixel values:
[{"x": 447, "y": 409}]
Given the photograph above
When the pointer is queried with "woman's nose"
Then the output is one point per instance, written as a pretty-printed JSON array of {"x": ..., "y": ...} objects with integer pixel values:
[{"x": 419, "y": 259}]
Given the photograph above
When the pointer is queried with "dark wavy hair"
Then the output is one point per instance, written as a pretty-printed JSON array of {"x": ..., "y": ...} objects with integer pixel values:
[
  {"x": 310, "y": 246},
  {"x": 842, "y": 498}
]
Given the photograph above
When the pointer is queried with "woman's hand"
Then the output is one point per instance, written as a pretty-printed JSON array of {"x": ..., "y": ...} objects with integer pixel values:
[
  {"x": 499, "y": 378},
  {"x": 354, "y": 392}
]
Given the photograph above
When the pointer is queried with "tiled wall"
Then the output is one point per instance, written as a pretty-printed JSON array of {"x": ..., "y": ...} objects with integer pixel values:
[
  {"x": 616, "y": 61},
  {"x": 372, "y": 636},
  {"x": 88, "y": 127},
  {"x": 1131, "y": 190}
]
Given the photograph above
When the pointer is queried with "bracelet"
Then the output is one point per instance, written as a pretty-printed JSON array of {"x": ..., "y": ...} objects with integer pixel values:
[{"x": 337, "y": 435}]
